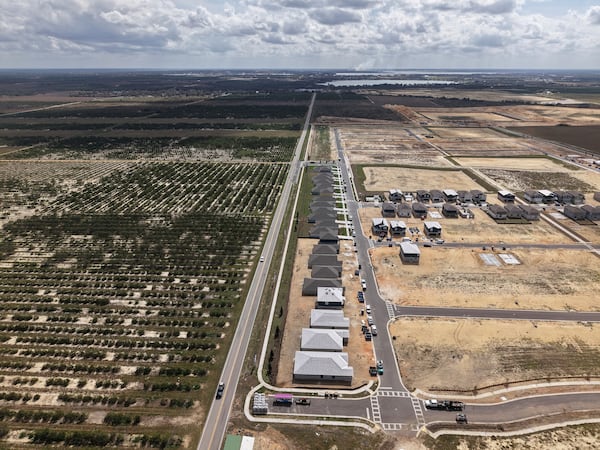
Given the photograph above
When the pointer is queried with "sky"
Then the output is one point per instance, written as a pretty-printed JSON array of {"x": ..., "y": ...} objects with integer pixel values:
[{"x": 300, "y": 34}]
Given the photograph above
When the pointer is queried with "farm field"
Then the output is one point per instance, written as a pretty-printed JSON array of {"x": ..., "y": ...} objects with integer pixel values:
[
  {"x": 446, "y": 276},
  {"x": 586, "y": 137},
  {"x": 475, "y": 133},
  {"x": 118, "y": 293},
  {"x": 468, "y": 355},
  {"x": 233, "y": 128},
  {"x": 126, "y": 249}
]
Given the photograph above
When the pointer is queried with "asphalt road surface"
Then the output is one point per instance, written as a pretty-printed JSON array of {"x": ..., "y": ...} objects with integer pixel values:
[{"x": 217, "y": 418}]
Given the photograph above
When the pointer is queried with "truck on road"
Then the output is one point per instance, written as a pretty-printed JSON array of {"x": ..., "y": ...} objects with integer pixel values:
[{"x": 444, "y": 405}]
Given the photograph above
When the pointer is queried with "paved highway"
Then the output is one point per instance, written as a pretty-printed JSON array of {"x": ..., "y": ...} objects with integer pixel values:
[{"x": 217, "y": 418}]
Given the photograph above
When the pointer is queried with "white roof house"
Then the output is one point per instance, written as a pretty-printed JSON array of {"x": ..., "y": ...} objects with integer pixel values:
[
  {"x": 397, "y": 224},
  {"x": 408, "y": 248},
  {"x": 450, "y": 193},
  {"x": 321, "y": 340},
  {"x": 328, "y": 318},
  {"x": 330, "y": 297},
  {"x": 326, "y": 366},
  {"x": 431, "y": 225},
  {"x": 380, "y": 222}
]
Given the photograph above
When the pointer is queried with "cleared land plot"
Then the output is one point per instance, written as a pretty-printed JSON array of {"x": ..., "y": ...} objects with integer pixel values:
[
  {"x": 484, "y": 95},
  {"x": 408, "y": 179},
  {"x": 389, "y": 146},
  {"x": 521, "y": 180},
  {"x": 582, "y": 136},
  {"x": 545, "y": 279},
  {"x": 463, "y": 115},
  {"x": 360, "y": 352},
  {"x": 536, "y": 164},
  {"x": 465, "y": 354},
  {"x": 468, "y": 133}
]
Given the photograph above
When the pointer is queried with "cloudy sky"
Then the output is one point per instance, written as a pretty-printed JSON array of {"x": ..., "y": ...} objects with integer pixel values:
[{"x": 353, "y": 34}]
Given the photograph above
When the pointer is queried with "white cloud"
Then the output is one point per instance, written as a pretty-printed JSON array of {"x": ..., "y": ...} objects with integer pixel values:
[{"x": 272, "y": 33}]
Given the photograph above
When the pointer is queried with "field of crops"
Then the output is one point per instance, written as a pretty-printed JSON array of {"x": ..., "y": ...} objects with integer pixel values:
[{"x": 120, "y": 282}]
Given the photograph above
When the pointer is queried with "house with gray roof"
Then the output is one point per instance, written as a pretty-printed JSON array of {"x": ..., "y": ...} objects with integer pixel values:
[
  {"x": 321, "y": 214},
  {"x": 323, "y": 260},
  {"x": 533, "y": 196},
  {"x": 465, "y": 196},
  {"x": 497, "y": 212},
  {"x": 329, "y": 319},
  {"x": 450, "y": 210},
  {"x": 419, "y": 210},
  {"x": 330, "y": 298},
  {"x": 436, "y": 196},
  {"x": 529, "y": 212},
  {"x": 316, "y": 367},
  {"x": 326, "y": 272},
  {"x": 403, "y": 210},
  {"x": 323, "y": 230},
  {"x": 310, "y": 286},
  {"x": 573, "y": 212},
  {"x": 478, "y": 196},
  {"x": 423, "y": 196},
  {"x": 513, "y": 211},
  {"x": 388, "y": 209},
  {"x": 326, "y": 249},
  {"x": 591, "y": 212},
  {"x": 597, "y": 196},
  {"x": 315, "y": 340}
]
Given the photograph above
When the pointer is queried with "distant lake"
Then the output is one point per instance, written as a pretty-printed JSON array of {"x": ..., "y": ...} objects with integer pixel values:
[{"x": 377, "y": 81}]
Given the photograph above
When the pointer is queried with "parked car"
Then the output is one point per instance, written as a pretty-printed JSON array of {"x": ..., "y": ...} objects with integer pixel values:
[
  {"x": 363, "y": 283},
  {"x": 461, "y": 418},
  {"x": 303, "y": 401},
  {"x": 374, "y": 330}
]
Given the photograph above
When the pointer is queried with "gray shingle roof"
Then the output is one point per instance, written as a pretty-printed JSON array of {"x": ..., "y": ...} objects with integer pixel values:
[
  {"x": 321, "y": 340},
  {"x": 322, "y": 363}
]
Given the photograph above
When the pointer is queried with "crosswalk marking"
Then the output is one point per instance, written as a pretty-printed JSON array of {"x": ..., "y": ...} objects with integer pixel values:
[
  {"x": 393, "y": 394},
  {"x": 375, "y": 409},
  {"x": 390, "y": 309},
  {"x": 418, "y": 411},
  {"x": 395, "y": 426}
]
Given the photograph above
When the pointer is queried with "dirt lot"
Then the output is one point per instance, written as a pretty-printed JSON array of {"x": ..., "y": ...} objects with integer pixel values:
[
  {"x": 467, "y": 133},
  {"x": 359, "y": 351},
  {"x": 466, "y": 354},
  {"x": 538, "y": 164},
  {"x": 521, "y": 180},
  {"x": 386, "y": 178},
  {"x": 463, "y": 114},
  {"x": 390, "y": 146},
  {"x": 446, "y": 276}
]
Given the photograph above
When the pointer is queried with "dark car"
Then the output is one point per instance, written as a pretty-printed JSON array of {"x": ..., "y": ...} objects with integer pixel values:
[
  {"x": 220, "y": 389},
  {"x": 461, "y": 418},
  {"x": 303, "y": 401}
]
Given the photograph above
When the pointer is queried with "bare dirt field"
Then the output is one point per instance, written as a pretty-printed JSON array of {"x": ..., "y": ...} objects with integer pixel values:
[
  {"x": 538, "y": 164},
  {"x": 466, "y": 354},
  {"x": 584, "y": 136},
  {"x": 389, "y": 146},
  {"x": 360, "y": 352},
  {"x": 474, "y": 133},
  {"x": 386, "y": 178},
  {"x": 544, "y": 279},
  {"x": 521, "y": 180},
  {"x": 463, "y": 115},
  {"x": 484, "y": 95}
]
